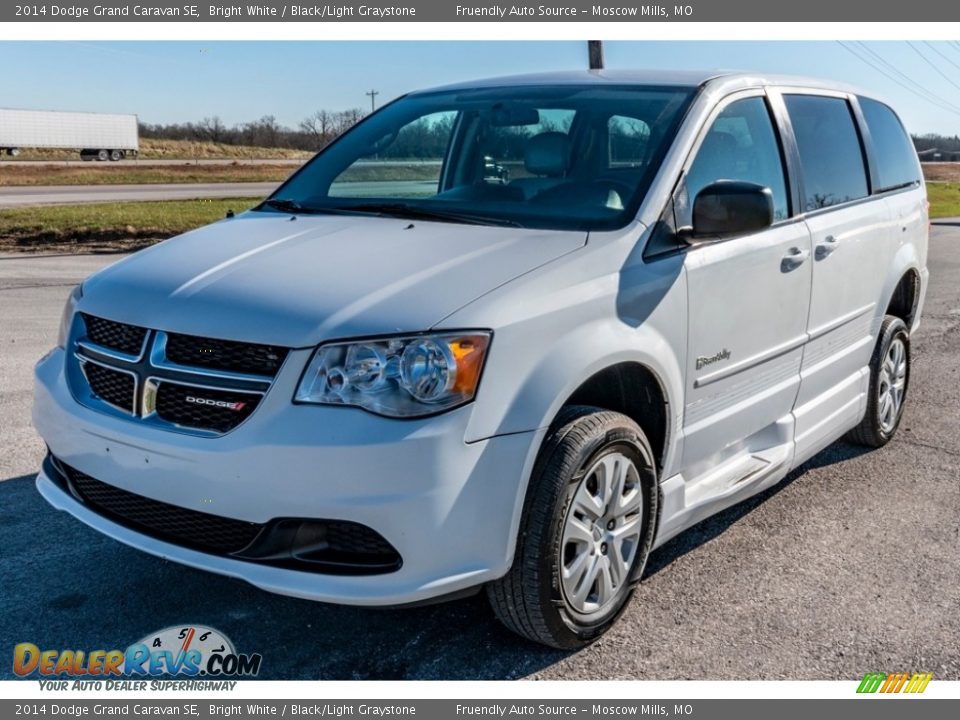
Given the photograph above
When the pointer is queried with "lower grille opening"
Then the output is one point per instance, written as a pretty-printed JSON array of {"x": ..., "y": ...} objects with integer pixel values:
[
  {"x": 190, "y": 528},
  {"x": 336, "y": 547}
]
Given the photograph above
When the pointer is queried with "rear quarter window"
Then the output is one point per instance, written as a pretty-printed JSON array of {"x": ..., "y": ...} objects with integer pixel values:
[
  {"x": 895, "y": 156},
  {"x": 831, "y": 155}
]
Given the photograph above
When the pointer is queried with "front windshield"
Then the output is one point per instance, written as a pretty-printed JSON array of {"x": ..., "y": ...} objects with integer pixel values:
[{"x": 559, "y": 157}]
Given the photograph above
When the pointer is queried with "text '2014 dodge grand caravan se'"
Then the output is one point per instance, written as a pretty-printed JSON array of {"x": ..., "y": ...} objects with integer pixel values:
[{"x": 511, "y": 334}]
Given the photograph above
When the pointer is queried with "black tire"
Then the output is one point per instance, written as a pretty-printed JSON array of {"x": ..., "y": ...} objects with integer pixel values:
[
  {"x": 529, "y": 599},
  {"x": 116, "y": 155},
  {"x": 13, "y": 152},
  {"x": 103, "y": 155},
  {"x": 871, "y": 432}
]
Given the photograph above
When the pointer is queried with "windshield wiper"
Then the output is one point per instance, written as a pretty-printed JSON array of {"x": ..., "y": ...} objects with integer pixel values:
[
  {"x": 284, "y": 204},
  {"x": 416, "y": 212},
  {"x": 292, "y": 206}
]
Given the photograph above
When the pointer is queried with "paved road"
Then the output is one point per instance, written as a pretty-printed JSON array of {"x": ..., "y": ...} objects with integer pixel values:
[
  {"x": 849, "y": 566},
  {"x": 150, "y": 162},
  {"x": 73, "y": 194}
]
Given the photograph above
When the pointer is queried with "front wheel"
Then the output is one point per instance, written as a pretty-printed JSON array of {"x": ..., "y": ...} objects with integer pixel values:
[
  {"x": 889, "y": 378},
  {"x": 586, "y": 530}
]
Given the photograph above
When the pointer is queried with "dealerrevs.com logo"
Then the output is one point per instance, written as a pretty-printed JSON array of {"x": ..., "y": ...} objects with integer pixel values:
[{"x": 191, "y": 651}]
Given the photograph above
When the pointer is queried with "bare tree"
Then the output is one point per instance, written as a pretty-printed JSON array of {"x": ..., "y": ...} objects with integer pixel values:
[
  {"x": 213, "y": 129},
  {"x": 319, "y": 127}
]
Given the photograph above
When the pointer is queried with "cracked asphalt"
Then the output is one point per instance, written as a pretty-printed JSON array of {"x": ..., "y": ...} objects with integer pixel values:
[{"x": 851, "y": 565}]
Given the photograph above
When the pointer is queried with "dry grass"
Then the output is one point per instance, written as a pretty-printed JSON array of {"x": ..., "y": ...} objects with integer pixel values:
[
  {"x": 942, "y": 172},
  {"x": 181, "y": 150}
]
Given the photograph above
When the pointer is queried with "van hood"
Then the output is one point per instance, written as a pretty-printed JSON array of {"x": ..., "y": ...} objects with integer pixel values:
[{"x": 274, "y": 279}]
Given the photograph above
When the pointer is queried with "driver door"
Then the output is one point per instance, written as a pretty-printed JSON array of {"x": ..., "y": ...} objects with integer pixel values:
[{"x": 748, "y": 302}]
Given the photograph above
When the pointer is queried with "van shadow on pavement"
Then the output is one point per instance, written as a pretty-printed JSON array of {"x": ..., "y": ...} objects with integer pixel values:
[{"x": 66, "y": 586}]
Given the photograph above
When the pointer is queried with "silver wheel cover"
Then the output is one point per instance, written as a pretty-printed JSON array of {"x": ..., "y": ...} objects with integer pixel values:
[
  {"x": 892, "y": 385},
  {"x": 601, "y": 534}
]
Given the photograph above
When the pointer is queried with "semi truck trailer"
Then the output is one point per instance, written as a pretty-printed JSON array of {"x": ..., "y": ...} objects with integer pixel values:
[{"x": 96, "y": 136}]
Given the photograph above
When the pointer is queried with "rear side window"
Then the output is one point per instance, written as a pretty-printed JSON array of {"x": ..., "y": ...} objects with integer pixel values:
[
  {"x": 895, "y": 156},
  {"x": 830, "y": 152}
]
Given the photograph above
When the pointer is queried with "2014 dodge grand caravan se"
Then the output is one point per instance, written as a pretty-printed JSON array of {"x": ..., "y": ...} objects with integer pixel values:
[{"x": 405, "y": 376}]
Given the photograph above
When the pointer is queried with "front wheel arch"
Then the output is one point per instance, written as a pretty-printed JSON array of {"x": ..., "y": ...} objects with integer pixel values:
[{"x": 530, "y": 598}]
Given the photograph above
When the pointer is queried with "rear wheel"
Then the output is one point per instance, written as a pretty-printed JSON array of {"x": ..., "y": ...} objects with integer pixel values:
[
  {"x": 586, "y": 530},
  {"x": 13, "y": 152},
  {"x": 889, "y": 378},
  {"x": 116, "y": 155},
  {"x": 103, "y": 155}
]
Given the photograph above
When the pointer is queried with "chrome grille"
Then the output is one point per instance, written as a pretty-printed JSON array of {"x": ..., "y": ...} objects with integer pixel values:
[
  {"x": 114, "y": 387},
  {"x": 204, "y": 408},
  {"x": 185, "y": 383},
  {"x": 127, "y": 339},
  {"x": 225, "y": 355}
]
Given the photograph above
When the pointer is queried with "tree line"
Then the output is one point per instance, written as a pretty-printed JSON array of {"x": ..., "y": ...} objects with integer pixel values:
[
  {"x": 317, "y": 131},
  {"x": 313, "y": 133}
]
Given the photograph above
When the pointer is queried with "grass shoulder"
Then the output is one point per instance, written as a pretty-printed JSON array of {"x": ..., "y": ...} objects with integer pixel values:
[{"x": 107, "y": 227}]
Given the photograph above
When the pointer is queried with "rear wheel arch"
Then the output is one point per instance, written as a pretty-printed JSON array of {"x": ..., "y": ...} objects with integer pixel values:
[{"x": 905, "y": 297}]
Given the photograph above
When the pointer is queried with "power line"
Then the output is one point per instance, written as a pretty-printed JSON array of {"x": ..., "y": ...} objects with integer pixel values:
[
  {"x": 929, "y": 62},
  {"x": 915, "y": 87},
  {"x": 930, "y": 45},
  {"x": 905, "y": 85}
]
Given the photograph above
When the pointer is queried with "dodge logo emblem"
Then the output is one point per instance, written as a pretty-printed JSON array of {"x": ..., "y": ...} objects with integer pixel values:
[{"x": 227, "y": 405}]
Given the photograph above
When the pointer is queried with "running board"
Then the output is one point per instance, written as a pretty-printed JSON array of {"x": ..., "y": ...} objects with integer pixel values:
[
  {"x": 684, "y": 503},
  {"x": 723, "y": 478}
]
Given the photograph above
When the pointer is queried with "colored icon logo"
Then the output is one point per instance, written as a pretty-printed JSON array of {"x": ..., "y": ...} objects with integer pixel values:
[{"x": 894, "y": 683}]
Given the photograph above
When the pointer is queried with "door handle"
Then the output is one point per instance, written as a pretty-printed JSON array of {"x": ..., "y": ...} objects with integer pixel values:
[
  {"x": 794, "y": 258},
  {"x": 829, "y": 244}
]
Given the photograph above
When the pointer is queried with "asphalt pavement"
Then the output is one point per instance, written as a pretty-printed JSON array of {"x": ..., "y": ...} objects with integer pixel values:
[{"x": 850, "y": 565}]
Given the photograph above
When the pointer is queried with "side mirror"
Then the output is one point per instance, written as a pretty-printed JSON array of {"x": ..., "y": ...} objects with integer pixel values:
[{"x": 731, "y": 207}]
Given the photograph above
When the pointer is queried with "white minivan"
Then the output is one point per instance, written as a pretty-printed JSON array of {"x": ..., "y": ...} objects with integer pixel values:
[{"x": 511, "y": 334}]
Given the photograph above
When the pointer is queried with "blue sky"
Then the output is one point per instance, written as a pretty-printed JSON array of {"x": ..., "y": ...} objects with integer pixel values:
[{"x": 181, "y": 81}]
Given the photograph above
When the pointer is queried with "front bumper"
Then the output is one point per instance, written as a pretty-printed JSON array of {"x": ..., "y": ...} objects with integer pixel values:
[{"x": 449, "y": 508}]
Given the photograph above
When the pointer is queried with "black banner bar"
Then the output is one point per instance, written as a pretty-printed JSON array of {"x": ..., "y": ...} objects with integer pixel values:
[
  {"x": 453, "y": 11},
  {"x": 198, "y": 708}
]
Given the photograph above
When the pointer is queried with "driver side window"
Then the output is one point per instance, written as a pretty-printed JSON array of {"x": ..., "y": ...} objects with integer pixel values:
[{"x": 740, "y": 145}]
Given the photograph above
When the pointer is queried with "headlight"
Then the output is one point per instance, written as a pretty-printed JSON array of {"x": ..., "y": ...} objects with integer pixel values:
[
  {"x": 66, "y": 317},
  {"x": 397, "y": 377}
]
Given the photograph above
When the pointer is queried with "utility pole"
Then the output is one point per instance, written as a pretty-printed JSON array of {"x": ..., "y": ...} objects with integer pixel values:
[
  {"x": 595, "y": 51},
  {"x": 373, "y": 98}
]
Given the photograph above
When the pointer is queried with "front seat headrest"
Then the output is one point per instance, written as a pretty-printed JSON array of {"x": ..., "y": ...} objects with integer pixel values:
[{"x": 547, "y": 154}]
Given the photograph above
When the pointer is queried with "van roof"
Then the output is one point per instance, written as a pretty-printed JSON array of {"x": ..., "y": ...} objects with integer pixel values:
[{"x": 672, "y": 78}]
